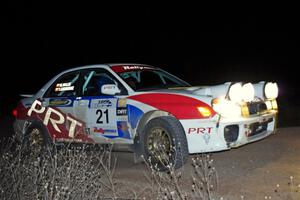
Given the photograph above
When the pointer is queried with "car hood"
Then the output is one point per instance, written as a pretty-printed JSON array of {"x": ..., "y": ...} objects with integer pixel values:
[{"x": 203, "y": 93}]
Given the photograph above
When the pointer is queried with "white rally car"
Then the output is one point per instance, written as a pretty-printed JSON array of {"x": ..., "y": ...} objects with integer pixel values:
[{"x": 161, "y": 116}]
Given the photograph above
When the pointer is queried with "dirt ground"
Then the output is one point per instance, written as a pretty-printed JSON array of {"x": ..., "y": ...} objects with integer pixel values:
[{"x": 267, "y": 169}]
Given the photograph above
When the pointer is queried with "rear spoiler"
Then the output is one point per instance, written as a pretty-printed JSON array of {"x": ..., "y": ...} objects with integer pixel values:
[{"x": 26, "y": 95}]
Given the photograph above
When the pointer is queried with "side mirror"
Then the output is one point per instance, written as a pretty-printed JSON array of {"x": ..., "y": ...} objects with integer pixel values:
[{"x": 110, "y": 89}]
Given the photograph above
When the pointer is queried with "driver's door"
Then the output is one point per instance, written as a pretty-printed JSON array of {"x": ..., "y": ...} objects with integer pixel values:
[{"x": 102, "y": 113}]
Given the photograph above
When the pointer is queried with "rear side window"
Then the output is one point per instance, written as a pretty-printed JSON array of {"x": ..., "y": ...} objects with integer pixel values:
[{"x": 65, "y": 86}]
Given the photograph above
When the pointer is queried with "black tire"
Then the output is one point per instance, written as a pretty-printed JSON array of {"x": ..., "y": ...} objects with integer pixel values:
[
  {"x": 36, "y": 138},
  {"x": 164, "y": 144}
]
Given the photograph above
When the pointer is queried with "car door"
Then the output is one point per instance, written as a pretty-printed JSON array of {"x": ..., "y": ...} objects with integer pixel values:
[
  {"x": 60, "y": 117},
  {"x": 105, "y": 115}
]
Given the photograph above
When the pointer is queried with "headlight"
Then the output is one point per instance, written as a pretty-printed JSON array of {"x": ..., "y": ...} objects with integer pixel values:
[
  {"x": 226, "y": 108},
  {"x": 248, "y": 92},
  {"x": 271, "y": 90},
  {"x": 235, "y": 93}
]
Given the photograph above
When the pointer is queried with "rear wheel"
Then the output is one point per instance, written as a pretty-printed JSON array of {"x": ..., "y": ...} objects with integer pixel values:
[
  {"x": 164, "y": 143},
  {"x": 35, "y": 138}
]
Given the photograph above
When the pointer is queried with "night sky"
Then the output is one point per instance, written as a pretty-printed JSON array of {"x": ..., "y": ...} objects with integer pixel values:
[{"x": 201, "y": 44}]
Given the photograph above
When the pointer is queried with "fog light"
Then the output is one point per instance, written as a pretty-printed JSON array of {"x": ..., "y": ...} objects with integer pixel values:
[
  {"x": 245, "y": 110},
  {"x": 271, "y": 90},
  {"x": 274, "y": 104},
  {"x": 236, "y": 93},
  {"x": 269, "y": 105},
  {"x": 248, "y": 92}
]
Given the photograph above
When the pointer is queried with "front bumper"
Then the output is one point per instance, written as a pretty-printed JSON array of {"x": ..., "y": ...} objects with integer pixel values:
[{"x": 216, "y": 134}]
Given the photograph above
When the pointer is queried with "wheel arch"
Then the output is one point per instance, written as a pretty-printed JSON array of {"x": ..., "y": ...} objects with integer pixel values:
[
  {"x": 39, "y": 124},
  {"x": 147, "y": 117},
  {"x": 141, "y": 125}
]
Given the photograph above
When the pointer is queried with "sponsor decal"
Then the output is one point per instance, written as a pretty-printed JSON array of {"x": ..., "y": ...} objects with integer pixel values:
[
  {"x": 206, "y": 137},
  {"x": 121, "y": 111},
  {"x": 68, "y": 140},
  {"x": 200, "y": 130},
  {"x": 60, "y": 102},
  {"x": 204, "y": 131},
  {"x": 123, "y": 129},
  {"x": 64, "y": 87},
  {"x": 124, "y": 68},
  {"x": 135, "y": 67},
  {"x": 108, "y": 87},
  {"x": 54, "y": 118},
  {"x": 122, "y": 103},
  {"x": 103, "y": 131},
  {"x": 101, "y": 103}
]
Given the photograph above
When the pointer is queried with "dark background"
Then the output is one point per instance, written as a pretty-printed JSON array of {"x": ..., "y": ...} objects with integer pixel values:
[{"x": 201, "y": 44}]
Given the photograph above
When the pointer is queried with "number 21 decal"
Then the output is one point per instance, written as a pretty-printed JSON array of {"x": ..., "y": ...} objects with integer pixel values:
[{"x": 100, "y": 113}]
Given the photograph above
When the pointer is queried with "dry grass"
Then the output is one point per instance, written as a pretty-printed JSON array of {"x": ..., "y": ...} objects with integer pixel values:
[{"x": 87, "y": 172}]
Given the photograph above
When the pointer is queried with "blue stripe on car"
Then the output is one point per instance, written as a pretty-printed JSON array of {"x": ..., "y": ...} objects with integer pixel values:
[{"x": 134, "y": 115}]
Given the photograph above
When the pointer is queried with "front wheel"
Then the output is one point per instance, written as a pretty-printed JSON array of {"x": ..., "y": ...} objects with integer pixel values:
[{"x": 164, "y": 142}]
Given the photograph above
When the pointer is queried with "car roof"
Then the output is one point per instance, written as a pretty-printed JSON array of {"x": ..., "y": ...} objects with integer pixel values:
[{"x": 105, "y": 66}]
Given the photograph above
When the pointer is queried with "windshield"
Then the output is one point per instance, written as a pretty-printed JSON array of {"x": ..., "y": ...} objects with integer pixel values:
[{"x": 147, "y": 78}]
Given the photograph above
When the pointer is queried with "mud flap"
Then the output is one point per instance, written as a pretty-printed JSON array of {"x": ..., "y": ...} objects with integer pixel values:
[{"x": 137, "y": 150}]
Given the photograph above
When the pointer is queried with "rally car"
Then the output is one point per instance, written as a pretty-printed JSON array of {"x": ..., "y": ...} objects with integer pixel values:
[{"x": 161, "y": 116}]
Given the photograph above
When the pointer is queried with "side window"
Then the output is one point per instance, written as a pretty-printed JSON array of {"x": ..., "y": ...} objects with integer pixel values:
[
  {"x": 65, "y": 86},
  {"x": 95, "y": 78}
]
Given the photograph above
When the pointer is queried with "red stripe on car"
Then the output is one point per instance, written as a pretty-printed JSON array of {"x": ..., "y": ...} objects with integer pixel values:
[
  {"x": 57, "y": 123},
  {"x": 182, "y": 107}
]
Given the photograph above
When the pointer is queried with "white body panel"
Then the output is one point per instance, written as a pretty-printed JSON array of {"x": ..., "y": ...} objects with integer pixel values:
[
  {"x": 203, "y": 134},
  {"x": 210, "y": 140}
]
